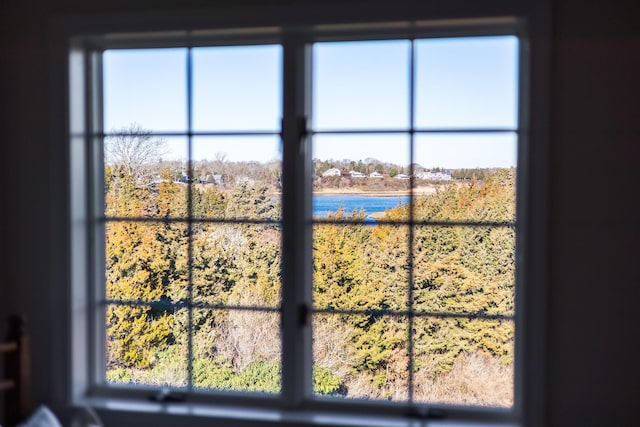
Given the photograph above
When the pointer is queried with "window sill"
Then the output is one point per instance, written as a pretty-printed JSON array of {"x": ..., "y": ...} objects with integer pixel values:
[{"x": 124, "y": 413}]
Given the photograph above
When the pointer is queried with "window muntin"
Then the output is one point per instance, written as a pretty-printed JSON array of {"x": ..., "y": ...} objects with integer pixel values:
[{"x": 198, "y": 137}]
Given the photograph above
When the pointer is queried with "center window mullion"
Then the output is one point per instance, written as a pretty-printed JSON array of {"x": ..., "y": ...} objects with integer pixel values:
[{"x": 296, "y": 213}]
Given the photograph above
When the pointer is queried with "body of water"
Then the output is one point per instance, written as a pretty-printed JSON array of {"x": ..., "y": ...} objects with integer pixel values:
[{"x": 322, "y": 205}]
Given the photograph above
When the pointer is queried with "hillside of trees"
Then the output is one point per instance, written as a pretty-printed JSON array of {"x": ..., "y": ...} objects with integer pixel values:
[
  {"x": 366, "y": 268},
  {"x": 356, "y": 267}
]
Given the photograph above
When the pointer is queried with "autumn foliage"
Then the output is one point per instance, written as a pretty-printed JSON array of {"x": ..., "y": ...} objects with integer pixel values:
[{"x": 399, "y": 291}]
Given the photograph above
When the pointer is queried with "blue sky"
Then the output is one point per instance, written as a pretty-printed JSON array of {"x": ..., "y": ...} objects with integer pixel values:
[{"x": 461, "y": 83}]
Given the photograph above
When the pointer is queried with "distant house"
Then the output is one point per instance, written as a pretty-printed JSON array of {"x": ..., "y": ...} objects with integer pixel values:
[
  {"x": 355, "y": 174},
  {"x": 185, "y": 179},
  {"x": 402, "y": 176},
  {"x": 375, "y": 175},
  {"x": 332, "y": 172},
  {"x": 434, "y": 176},
  {"x": 214, "y": 179}
]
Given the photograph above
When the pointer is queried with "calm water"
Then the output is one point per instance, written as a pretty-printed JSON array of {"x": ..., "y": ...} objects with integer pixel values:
[{"x": 322, "y": 205}]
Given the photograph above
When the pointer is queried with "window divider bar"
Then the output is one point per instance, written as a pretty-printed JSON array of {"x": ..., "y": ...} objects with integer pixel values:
[
  {"x": 412, "y": 313},
  {"x": 425, "y": 223},
  {"x": 364, "y": 312},
  {"x": 96, "y": 235},
  {"x": 189, "y": 82},
  {"x": 185, "y": 304},
  {"x": 410, "y": 274},
  {"x": 189, "y": 134},
  {"x": 413, "y": 130},
  {"x": 296, "y": 215},
  {"x": 241, "y": 133},
  {"x": 151, "y": 219}
]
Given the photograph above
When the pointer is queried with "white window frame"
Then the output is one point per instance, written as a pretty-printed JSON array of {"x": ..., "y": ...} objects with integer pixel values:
[{"x": 76, "y": 127}]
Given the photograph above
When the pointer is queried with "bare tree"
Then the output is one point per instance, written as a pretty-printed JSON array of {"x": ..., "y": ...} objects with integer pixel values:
[
  {"x": 135, "y": 150},
  {"x": 220, "y": 157}
]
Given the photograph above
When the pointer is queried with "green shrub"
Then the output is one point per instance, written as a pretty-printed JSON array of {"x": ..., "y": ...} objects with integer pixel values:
[{"x": 326, "y": 383}]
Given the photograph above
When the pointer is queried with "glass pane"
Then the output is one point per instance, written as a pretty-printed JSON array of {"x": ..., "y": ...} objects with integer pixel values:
[
  {"x": 237, "y": 177},
  {"x": 360, "y": 356},
  {"x": 464, "y": 270},
  {"x": 146, "y": 261},
  {"x": 464, "y": 362},
  {"x": 361, "y": 85},
  {"x": 468, "y": 177},
  {"x": 360, "y": 267},
  {"x": 469, "y": 82},
  {"x": 237, "y": 350},
  {"x": 237, "y": 88},
  {"x": 145, "y": 176},
  {"x": 146, "y": 346},
  {"x": 237, "y": 265},
  {"x": 145, "y": 87},
  {"x": 365, "y": 173}
]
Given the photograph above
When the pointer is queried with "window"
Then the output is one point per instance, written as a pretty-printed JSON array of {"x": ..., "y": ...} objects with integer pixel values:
[
  {"x": 192, "y": 218},
  {"x": 314, "y": 218},
  {"x": 428, "y": 281}
]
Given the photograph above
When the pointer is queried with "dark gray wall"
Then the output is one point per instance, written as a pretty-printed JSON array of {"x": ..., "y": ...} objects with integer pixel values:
[
  {"x": 595, "y": 153},
  {"x": 592, "y": 353}
]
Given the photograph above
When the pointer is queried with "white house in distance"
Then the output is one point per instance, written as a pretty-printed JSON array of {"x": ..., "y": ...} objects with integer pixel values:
[
  {"x": 355, "y": 174},
  {"x": 434, "y": 176},
  {"x": 331, "y": 172},
  {"x": 402, "y": 176},
  {"x": 375, "y": 175}
]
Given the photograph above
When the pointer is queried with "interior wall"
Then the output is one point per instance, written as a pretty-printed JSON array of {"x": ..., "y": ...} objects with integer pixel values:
[
  {"x": 592, "y": 356},
  {"x": 593, "y": 372},
  {"x": 4, "y": 290}
]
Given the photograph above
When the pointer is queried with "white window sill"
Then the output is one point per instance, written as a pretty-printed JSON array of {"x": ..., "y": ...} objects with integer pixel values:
[{"x": 125, "y": 413}]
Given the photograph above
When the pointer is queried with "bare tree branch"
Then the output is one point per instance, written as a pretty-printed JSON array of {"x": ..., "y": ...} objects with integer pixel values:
[{"x": 134, "y": 150}]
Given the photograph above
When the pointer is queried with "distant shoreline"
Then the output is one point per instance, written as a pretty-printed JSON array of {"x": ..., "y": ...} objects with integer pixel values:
[{"x": 424, "y": 190}]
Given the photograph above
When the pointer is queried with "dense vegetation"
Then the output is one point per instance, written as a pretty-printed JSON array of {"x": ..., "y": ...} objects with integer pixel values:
[{"x": 456, "y": 269}]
